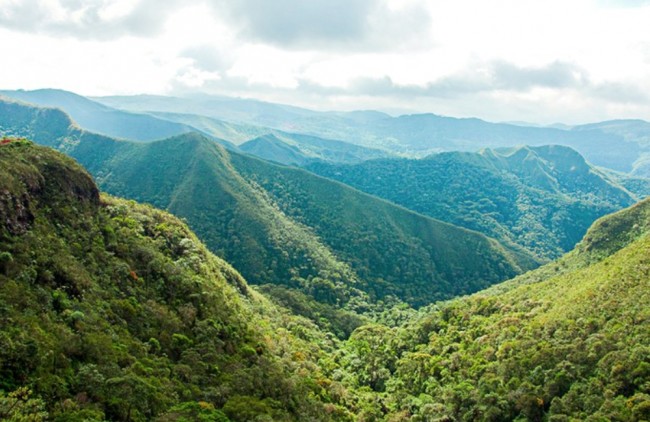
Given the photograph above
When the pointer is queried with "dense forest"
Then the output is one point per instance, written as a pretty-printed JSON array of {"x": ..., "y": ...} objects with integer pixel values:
[
  {"x": 570, "y": 341},
  {"x": 115, "y": 310},
  {"x": 541, "y": 199}
]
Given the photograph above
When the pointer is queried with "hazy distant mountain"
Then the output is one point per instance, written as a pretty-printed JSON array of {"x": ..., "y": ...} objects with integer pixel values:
[
  {"x": 105, "y": 120},
  {"x": 270, "y": 148},
  {"x": 101, "y": 119},
  {"x": 311, "y": 147},
  {"x": 541, "y": 198},
  {"x": 417, "y": 134},
  {"x": 637, "y": 131}
]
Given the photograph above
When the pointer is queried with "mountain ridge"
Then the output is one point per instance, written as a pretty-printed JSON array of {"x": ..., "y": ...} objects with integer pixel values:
[{"x": 542, "y": 199}]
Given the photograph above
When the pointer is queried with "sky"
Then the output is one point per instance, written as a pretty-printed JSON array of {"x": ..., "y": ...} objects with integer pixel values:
[{"x": 532, "y": 61}]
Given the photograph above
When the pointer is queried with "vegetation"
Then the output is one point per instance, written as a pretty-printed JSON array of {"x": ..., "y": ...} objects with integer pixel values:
[
  {"x": 540, "y": 199},
  {"x": 569, "y": 341}
]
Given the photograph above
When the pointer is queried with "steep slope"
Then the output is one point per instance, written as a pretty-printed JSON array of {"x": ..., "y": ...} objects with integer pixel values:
[
  {"x": 540, "y": 198},
  {"x": 99, "y": 118},
  {"x": 416, "y": 134},
  {"x": 570, "y": 341},
  {"x": 113, "y": 310},
  {"x": 286, "y": 227}
]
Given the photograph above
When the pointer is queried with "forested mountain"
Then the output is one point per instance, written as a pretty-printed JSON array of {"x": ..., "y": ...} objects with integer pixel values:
[
  {"x": 540, "y": 198},
  {"x": 112, "y": 310},
  {"x": 99, "y": 118},
  {"x": 286, "y": 227},
  {"x": 621, "y": 147},
  {"x": 569, "y": 341}
]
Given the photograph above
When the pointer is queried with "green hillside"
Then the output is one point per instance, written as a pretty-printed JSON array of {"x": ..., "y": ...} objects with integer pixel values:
[
  {"x": 285, "y": 226},
  {"x": 542, "y": 199},
  {"x": 567, "y": 342},
  {"x": 114, "y": 310}
]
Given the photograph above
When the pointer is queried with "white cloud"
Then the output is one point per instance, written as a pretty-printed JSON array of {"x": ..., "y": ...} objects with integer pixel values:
[{"x": 504, "y": 59}]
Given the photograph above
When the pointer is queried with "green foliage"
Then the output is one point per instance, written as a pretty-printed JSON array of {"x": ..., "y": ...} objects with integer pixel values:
[
  {"x": 18, "y": 406},
  {"x": 569, "y": 341},
  {"x": 110, "y": 310}
]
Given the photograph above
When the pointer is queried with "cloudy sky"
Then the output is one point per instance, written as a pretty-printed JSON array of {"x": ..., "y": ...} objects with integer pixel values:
[{"x": 503, "y": 60}]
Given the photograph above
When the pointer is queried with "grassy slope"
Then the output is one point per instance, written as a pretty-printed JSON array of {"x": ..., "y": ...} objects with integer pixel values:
[{"x": 110, "y": 309}]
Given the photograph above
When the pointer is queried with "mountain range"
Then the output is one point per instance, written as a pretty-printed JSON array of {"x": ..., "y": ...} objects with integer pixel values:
[
  {"x": 148, "y": 126},
  {"x": 317, "y": 264},
  {"x": 112, "y": 310},
  {"x": 620, "y": 145}
]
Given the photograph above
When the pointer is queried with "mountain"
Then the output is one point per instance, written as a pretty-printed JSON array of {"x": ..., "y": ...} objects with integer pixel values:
[
  {"x": 569, "y": 341},
  {"x": 270, "y": 148},
  {"x": 542, "y": 199},
  {"x": 311, "y": 238},
  {"x": 299, "y": 150},
  {"x": 415, "y": 135},
  {"x": 111, "y": 310},
  {"x": 637, "y": 131},
  {"x": 99, "y": 118}
]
